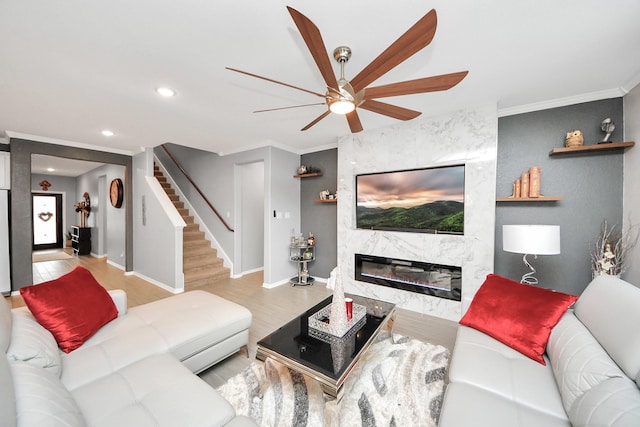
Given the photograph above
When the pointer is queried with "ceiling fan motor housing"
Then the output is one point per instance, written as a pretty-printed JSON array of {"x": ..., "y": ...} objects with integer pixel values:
[{"x": 342, "y": 54}]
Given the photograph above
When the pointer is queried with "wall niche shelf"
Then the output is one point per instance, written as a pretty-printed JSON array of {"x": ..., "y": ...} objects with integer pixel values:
[
  {"x": 593, "y": 148},
  {"x": 308, "y": 175},
  {"x": 326, "y": 201},
  {"x": 530, "y": 199}
]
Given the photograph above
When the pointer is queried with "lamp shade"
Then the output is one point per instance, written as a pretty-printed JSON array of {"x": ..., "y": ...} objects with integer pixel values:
[{"x": 531, "y": 239}]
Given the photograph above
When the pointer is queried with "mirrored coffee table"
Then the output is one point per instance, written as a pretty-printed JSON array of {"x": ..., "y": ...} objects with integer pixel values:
[{"x": 327, "y": 359}]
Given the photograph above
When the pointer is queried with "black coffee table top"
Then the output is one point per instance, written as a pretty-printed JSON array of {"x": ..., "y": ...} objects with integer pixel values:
[{"x": 335, "y": 358}]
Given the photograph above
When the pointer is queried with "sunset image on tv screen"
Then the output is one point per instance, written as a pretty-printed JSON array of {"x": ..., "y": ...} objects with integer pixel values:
[{"x": 421, "y": 200}]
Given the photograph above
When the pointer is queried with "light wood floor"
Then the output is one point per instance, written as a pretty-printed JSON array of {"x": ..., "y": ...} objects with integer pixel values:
[{"x": 271, "y": 308}]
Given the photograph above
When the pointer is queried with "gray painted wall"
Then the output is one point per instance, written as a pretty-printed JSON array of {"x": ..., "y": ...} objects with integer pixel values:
[
  {"x": 154, "y": 237},
  {"x": 21, "y": 226},
  {"x": 321, "y": 218},
  {"x": 282, "y": 195},
  {"x": 114, "y": 244},
  {"x": 252, "y": 216},
  {"x": 66, "y": 186},
  {"x": 590, "y": 184}
]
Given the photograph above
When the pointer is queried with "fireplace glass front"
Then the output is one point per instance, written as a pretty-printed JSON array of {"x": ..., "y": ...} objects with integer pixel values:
[{"x": 438, "y": 280}]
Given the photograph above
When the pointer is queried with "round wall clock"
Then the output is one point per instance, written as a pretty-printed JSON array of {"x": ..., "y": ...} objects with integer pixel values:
[{"x": 116, "y": 192}]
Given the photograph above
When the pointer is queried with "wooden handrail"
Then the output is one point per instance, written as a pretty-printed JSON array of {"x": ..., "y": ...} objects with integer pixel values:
[{"x": 196, "y": 187}]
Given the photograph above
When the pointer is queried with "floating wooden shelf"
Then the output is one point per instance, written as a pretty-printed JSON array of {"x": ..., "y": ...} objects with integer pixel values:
[
  {"x": 593, "y": 148},
  {"x": 530, "y": 199},
  {"x": 326, "y": 201},
  {"x": 308, "y": 175}
]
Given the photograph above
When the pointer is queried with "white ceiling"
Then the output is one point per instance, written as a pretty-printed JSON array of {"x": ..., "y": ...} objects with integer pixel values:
[
  {"x": 69, "y": 69},
  {"x": 59, "y": 166}
]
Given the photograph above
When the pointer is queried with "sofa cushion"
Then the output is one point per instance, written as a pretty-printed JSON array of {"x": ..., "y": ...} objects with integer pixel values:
[
  {"x": 607, "y": 307},
  {"x": 72, "y": 307},
  {"x": 183, "y": 325},
  {"x": 157, "y": 391},
  {"x": 486, "y": 363},
  {"x": 579, "y": 362},
  {"x": 41, "y": 399},
  {"x": 6, "y": 320},
  {"x": 8, "y": 412},
  {"x": 467, "y": 405},
  {"x": 32, "y": 343},
  {"x": 518, "y": 315},
  {"x": 612, "y": 403}
]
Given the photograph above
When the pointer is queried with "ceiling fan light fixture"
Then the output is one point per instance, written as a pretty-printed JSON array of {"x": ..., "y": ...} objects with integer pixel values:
[{"x": 342, "y": 106}]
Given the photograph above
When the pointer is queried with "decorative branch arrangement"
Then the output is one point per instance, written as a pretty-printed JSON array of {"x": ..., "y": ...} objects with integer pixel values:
[{"x": 610, "y": 251}]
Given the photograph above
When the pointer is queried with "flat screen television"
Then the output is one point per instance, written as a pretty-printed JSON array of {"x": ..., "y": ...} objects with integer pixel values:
[{"x": 427, "y": 200}]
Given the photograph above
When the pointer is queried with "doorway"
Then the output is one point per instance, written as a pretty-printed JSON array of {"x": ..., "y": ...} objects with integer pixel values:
[
  {"x": 47, "y": 221},
  {"x": 252, "y": 217}
]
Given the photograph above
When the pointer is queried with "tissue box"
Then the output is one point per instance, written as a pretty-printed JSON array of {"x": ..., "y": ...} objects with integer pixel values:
[{"x": 320, "y": 320}]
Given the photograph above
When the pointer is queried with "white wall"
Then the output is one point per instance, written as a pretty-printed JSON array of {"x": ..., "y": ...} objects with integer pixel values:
[
  {"x": 468, "y": 137},
  {"x": 631, "y": 198}
]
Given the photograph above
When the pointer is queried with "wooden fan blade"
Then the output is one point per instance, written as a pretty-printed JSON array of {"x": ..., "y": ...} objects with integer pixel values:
[
  {"x": 311, "y": 35},
  {"x": 320, "y": 117},
  {"x": 394, "y": 111},
  {"x": 287, "y": 108},
  {"x": 354, "y": 122},
  {"x": 428, "y": 84},
  {"x": 275, "y": 81},
  {"x": 412, "y": 41}
]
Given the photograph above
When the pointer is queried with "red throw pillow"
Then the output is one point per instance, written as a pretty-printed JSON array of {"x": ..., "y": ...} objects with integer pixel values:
[
  {"x": 520, "y": 316},
  {"x": 72, "y": 307}
]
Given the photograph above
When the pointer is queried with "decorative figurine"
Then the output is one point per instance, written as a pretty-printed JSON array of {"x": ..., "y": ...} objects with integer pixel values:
[
  {"x": 607, "y": 127},
  {"x": 574, "y": 139}
]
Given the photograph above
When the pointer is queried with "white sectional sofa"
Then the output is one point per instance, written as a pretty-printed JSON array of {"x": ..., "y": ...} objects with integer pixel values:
[
  {"x": 137, "y": 370},
  {"x": 591, "y": 375}
]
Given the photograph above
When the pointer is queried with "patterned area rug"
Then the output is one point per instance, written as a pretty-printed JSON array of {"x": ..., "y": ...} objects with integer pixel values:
[{"x": 398, "y": 383}]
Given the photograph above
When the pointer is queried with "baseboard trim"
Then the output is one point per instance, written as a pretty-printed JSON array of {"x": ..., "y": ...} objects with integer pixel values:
[{"x": 156, "y": 283}]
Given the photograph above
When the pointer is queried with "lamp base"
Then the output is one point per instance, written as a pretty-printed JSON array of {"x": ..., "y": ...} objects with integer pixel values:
[{"x": 528, "y": 278}]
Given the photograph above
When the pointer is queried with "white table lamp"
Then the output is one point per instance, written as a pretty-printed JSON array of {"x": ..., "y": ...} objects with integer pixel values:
[{"x": 531, "y": 240}]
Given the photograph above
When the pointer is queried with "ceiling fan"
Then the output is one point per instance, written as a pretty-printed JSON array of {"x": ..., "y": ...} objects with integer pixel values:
[{"x": 345, "y": 97}]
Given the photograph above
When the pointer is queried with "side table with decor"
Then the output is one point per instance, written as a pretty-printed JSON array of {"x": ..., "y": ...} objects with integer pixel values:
[{"x": 302, "y": 254}]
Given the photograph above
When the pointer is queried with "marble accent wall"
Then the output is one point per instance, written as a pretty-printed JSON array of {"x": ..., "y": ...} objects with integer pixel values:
[{"x": 468, "y": 137}]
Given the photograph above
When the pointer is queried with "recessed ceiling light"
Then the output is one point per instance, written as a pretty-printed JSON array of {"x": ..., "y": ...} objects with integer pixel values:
[
  {"x": 166, "y": 92},
  {"x": 51, "y": 170},
  {"x": 107, "y": 132}
]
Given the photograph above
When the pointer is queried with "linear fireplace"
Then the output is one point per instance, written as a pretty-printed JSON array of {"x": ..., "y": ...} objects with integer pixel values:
[{"x": 443, "y": 281}]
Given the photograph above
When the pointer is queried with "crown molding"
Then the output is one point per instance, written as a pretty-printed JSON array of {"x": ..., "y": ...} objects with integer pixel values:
[
  {"x": 631, "y": 83},
  {"x": 19, "y": 135},
  {"x": 562, "y": 102}
]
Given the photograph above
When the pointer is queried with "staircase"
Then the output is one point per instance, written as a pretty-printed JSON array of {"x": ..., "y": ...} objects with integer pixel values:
[{"x": 200, "y": 262}]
